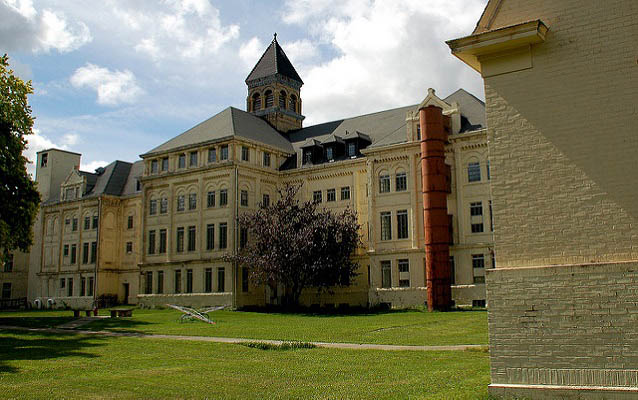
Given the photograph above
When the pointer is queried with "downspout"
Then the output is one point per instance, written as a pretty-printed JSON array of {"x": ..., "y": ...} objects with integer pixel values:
[
  {"x": 236, "y": 236},
  {"x": 97, "y": 251},
  {"x": 434, "y": 128}
]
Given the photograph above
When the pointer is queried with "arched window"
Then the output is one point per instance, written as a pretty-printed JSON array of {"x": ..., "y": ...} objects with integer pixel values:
[
  {"x": 293, "y": 103},
  {"x": 270, "y": 99},
  {"x": 282, "y": 100},
  {"x": 256, "y": 101}
]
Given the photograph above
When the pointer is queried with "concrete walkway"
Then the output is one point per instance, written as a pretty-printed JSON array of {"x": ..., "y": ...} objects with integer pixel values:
[{"x": 241, "y": 340}]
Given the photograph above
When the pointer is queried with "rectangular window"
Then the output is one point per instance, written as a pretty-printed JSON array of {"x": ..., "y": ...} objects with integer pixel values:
[
  {"x": 316, "y": 196},
  {"x": 148, "y": 283},
  {"x": 477, "y": 227},
  {"x": 93, "y": 252},
  {"x": 223, "y": 197},
  {"x": 208, "y": 280},
  {"x": 180, "y": 202},
  {"x": 191, "y": 238},
  {"x": 91, "y": 286},
  {"x": 307, "y": 157},
  {"x": 160, "y": 282},
  {"x": 476, "y": 209},
  {"x": 129, "y": 223},
  {"x": 154, "y": 166},
  {"x": 75, "y": 225},
  {"x": 452, "y": 271},
  {"x": 62, "y": 283},
  {"x": 478, "y": 261},
  {"x": 65, "y": 251},
  {"x": 178, "y": 281},
  {"x": 212, "y": 155},
  {"x": 87, "y": 223},
  {"x": 129, "y": 247},
  {"x": 192, "y": 201},
  {"x": 189, "y": 281},
  {"x": 43, "y": 161},
  {"x": 8, "y": 263},
  {"x": 181, "y": 161},
  {"x": 85, "y": 253},
  {"x": 95, "y": 220},
  {"x": 331, "y": 195},
  {"x": 162, "y": 241},
  {"x": 418, "y": 131},
  {"x": 6, "y": 290},
  {"x": 180, "y": 240},
  {"x": 151, "y": 242},
  {"x": 164, "y": 164},
  {"x": 73, "y": 254},
  {"x": 384, "y": 184},
  {"x": 345, "y": 193},
  {"x": 491, "y": 218},
  {"x": 221, "y": 278},
  {"x": 67, "y": 221},
  {"x": 386, "y": 226},
  {"x": 245, "y": 155},
  {"x": 210, "y": 236},
  {"x": 244, "y": 279},
  {"x": 243, "y": 198},
  {"x": 402, "y": 224},
  {"x": 69, "y": 287},
  {"x": 210, "y": 199},
  {"x": 404, "y": 273},
  {"x": 193, "y": 159},
  {"x": 329, "y": 154},
  {"x": 243, "y": 237},
  {"x": 163, "y": 205},
  {"x": 82, "y": 286},
  {"x": 352, "y": 149},
  {"x": 488, "y": 169},
  {"x": 386, "y": 274},
  {"x": 266, "y": 159},
  {"x": 265, "y": 201},
  {"x": 401, "y": 182},
  {"x": 474, "y": 172},
  {"x": 223, "y": 238},
  {"x": 152, "y": 209},
  {"x": 224, "y": 152}
]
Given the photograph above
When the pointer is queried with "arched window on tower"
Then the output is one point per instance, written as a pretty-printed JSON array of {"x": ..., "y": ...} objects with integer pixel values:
[
  {"x": 293, "y": 103},
  {"x": 270, "y": 99},
  {"x": 282, "y": 100},
  {"x": 256, "y": 101}
]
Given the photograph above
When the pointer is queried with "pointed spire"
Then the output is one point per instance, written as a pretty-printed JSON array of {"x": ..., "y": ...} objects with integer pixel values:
[{"x": 274, "y": 61}]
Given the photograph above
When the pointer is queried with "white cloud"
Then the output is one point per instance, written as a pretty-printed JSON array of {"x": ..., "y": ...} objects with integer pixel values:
[
  {"x": 35, "y": 143},
  {"x": 112, "y": 87},
  {"x": 250, "y": 51},
  {"x": 300, "y": 51},
  {"x": 92, "y": 166}
]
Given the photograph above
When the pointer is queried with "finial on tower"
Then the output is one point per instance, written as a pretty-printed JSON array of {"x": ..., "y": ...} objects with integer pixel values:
[{"x": 275, "y": 37}]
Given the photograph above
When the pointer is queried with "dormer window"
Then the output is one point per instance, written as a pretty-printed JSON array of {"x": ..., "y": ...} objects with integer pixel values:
[
  {"x": 181, "y": 162},
  {"x": 193, "y": 159},
  {"x": 224, "y": 152},
  {"x": 164, "y": 164},
  {"x": 329, "y": 153},
  {"x": 154, "y": 166},
  {"x": 352, "y": 149},
  {"x": 307, "y": 157},
  {"x": 270, "y": 99}
]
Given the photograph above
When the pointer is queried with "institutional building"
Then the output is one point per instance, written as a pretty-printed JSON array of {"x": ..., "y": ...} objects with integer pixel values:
[
  {"x": 561, "y": 88},
  {"x": 155, "y": 231}
]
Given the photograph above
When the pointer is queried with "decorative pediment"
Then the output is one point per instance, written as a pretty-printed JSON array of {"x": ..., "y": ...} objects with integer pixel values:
[
  {"x": 433, "y": 100},
  {"x": 73, "y": 186}
]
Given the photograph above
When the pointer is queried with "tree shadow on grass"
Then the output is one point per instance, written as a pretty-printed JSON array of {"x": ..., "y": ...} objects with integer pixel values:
[
  {"x": 36, "y": 322},
  {"x": 35, "y": 346},
  {"x": 121, "y": 325}
]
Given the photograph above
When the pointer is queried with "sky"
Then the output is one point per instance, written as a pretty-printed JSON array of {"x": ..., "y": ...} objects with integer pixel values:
[{"x": 113, "y": 79}]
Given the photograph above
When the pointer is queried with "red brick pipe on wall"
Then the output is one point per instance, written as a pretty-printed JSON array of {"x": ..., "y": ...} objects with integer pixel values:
[{"x": 434, "y": 179}]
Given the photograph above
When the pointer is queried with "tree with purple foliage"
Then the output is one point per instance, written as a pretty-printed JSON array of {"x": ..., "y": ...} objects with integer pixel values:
[{"x": 298, "y": 245}]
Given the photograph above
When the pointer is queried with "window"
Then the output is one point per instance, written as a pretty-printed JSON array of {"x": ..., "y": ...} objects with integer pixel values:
[
  {"x": 212, "y": 155},
  {"x": 384, "y": 184},
  {"x": 476, "y": 208},
  {"x": 256, "y": 102},
  {"x": 67, "y": 221},
  {"x": 418, "y": 131},
  {"x": 160, "y": 282},
  {"x": 154, "y": 167},
  {"x": 189, "y": 281},
  {"x": 192, "y": 201},
  {"x": 181, "y": 161},
  {"x": 152, "y": 208},
  {"x": 180, "y": 240},
  {"x": 223, "y": 235},
  {"x": 245, "y": 155},
  {"x": 178, "y": 281},
  {"x": 488, "y": 169},
  {"x": 62, "y": 283},
  {"x": 345, "y": 193},
  {"x": 244, "y": 279},
  {"x": 223, "y": 197},
  {"x": 224, "y": 152},
  {"x": 386, "y": 226},
  {"x": 452, "y": 271},
  {"x": 44, "y": 159},
  {"x": 476, "y": 211},
  {"x": 8, "y": 263},
  {"x": 478, "y": 261},
  {"x": 402, "y": 224},
  {"x": 69, "y": 287},
  {"x": 129, "y": 247},
  {"x": 138, "y": 185},
  {"x": 129, "y": 223},
  {"x": 66, "y": 250},
  {"x": 74, "y": 226},
  {"x": 331, "y": 195},
  {"x": 307, "y": 157},
  {"x": 243, "y": 198},
  {"x": 93, "y": 252},
  {"x": 292, "y": 103},
  {"x": 210, "y": 236},
  {"x": 180, "y": 202},
  {"x": 265, "y": 201},
  {"x": 208, "y": 280},
  {"x": 87, "y": 223},
  {"x": 316, "y": 196},
  {"x": 73, "y": 254},
  {"x": 162, "y": 241},
  {"x": 266, "y": 159},
  {"x": 6, "y": 290},
  {"x": 192, "y": 233},
  {"x": 85, "y": 253},
  {"x": 386, "y": 274},
  {"x": 151, "y": 242},
  {"x": 473, "y": 172},
  {"x": 477, "y": 227},
  {"x": 164, "y": 164},
  {"x": 95, "y": 221},
  {"x": 270, "y": 99},
  {"x": 221, "y": 275},
  {"x": 352, "y": 149},
  {"x": 210, "y": 199},
  {"x": 91, "y": 286},
  {"x": 329, "y": 153},
  {"x": 192, "y": 159},
  {"x": 243, "y": 237},
  {"x": 282, "y": 99},
  {"x": 69, "y": 194},
  {"x": 82, "y": 286},
  {"x": 401, "y": 182},
  {"x": 491, "y": 218},
  {"x": 163, "y": 205},
  {"x": 404, "y": 273}
]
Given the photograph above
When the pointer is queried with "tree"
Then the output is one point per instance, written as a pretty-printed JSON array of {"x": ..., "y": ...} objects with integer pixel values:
[
  {"x": 19, "y": 198},
  {"x": 298, "y": 245}
]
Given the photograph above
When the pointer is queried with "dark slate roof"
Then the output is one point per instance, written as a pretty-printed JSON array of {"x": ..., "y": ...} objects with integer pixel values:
[
  {"x": 112, "y": 180},
  {"x": 274, "y": 61},
  {"x": 137, "y": 170},
  {"x": 91, "y": 178},
  {"x": 228, "y": 123},
  {"x": 472, "y": 110}
]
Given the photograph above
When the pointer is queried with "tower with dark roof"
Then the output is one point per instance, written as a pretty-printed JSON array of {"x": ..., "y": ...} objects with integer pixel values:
[{"x": 274, "y": 90}]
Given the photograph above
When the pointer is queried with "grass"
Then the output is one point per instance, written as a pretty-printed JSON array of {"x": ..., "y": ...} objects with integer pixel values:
[{"x": 41, "y": 366}]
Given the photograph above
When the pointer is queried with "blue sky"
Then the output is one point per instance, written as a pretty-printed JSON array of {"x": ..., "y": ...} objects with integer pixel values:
[{"x": 113, "y": 79}]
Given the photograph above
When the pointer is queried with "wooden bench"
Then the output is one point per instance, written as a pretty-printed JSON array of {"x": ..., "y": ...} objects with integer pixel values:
[
  {"x": 76, "y": 313},
  {"x": 121, "y": 312}
]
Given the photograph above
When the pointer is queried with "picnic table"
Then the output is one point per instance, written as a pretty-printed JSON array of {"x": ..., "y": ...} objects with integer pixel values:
[
  {"x": 121, "y": 312},
  {"x": 77, "y": 312}
]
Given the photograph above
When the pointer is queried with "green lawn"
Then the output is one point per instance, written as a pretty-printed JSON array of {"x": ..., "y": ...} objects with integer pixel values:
[
  {"x": 40, "y": 366},
  {"x": 411, "y": 327}
]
